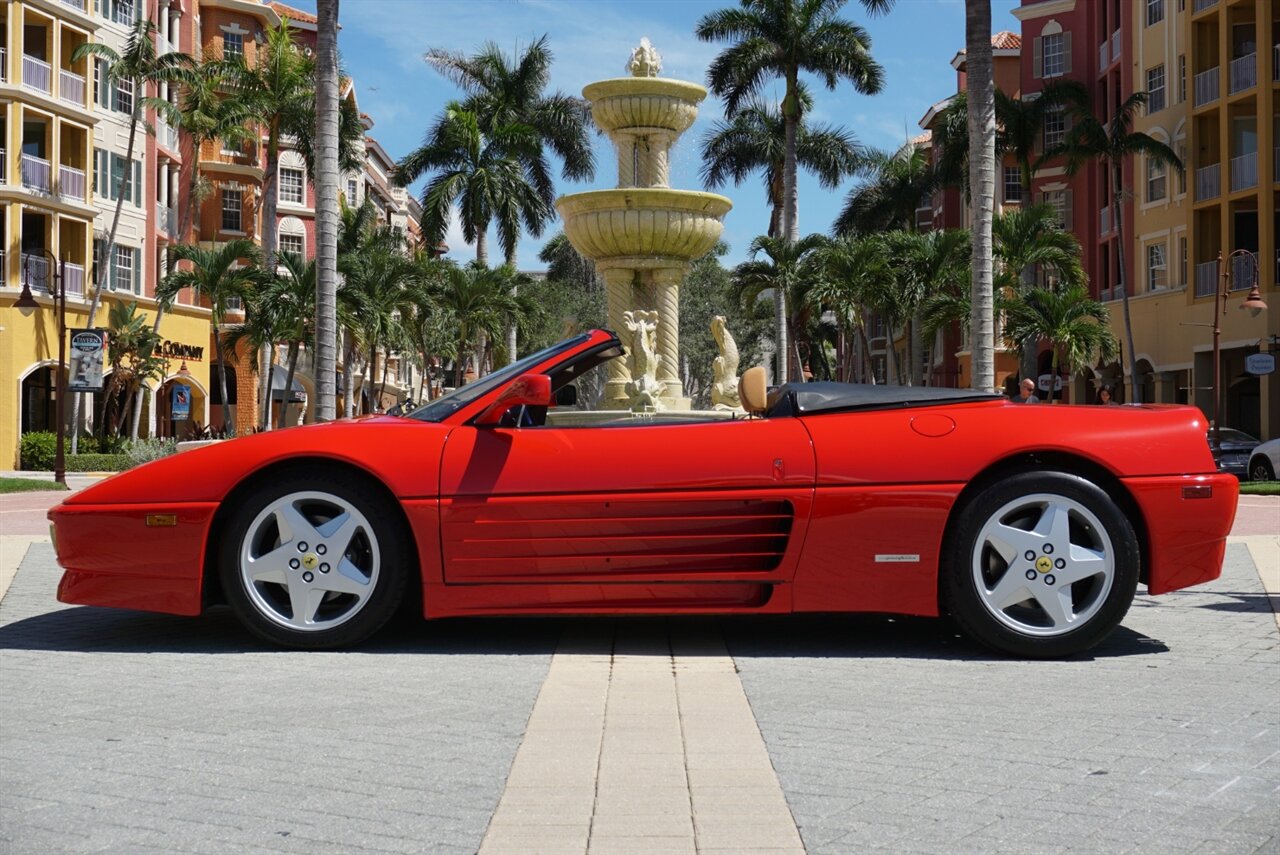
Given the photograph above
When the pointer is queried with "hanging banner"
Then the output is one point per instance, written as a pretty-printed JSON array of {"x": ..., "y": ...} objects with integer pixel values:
[
  {"x": 88, "y": 360},
  {"x": 181, "y": 402},
  {"x": 1260, "y": 363}
]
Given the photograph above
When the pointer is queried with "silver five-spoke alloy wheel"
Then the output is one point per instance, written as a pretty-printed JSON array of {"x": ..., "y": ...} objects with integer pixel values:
[
  {"x": 309, "y": 561},
  {"x": 1043, "y": 565}
]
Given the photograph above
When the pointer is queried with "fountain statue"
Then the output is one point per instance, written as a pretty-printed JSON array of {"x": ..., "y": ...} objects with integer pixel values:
[
  {"x": 643, "y": 235},
  {"x": 724, "y": 368}
]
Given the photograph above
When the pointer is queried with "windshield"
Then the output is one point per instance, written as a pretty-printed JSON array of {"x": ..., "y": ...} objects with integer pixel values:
[
  {"x": 1232, "y": 435},
  {"x": 446, "y": 405}
]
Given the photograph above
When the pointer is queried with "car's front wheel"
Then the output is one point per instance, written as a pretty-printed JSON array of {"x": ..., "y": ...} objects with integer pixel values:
[
  {"x": 1260, "y": 469},
  {"x": 315, "y": 562},
  {"x": 1045, "y": 565}
]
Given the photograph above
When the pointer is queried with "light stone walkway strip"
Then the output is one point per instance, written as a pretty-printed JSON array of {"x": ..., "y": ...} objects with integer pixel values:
[
  {"x": 1265, "y": 552},
  {"x": 13, "y": 548},
  {"x": 642, "y": 741}
]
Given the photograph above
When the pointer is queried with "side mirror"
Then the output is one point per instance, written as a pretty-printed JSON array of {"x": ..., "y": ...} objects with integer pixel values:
[{"x": 527, "y": 390}]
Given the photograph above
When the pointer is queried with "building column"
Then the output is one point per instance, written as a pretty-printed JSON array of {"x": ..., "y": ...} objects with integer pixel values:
[
  {"x": 618, "y": 292},
  {"x": 666, "y": 285}
]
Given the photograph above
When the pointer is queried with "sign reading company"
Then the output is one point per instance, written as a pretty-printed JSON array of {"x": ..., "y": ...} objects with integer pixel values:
[
  {"x": 88, "y": 360},
  {"x": 178, "y": 350},
  {"x": 1260, "y": 363}
]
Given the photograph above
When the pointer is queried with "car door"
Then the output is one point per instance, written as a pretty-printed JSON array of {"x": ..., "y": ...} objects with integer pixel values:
[{"x": 714, "y": 501}]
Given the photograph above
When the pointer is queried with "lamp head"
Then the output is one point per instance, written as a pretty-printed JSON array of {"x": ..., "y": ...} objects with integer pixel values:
[
  {"x": 25, "y": 302},
  {"x": 1254, "y": 302},
  {"x": 183, "y": 372}
]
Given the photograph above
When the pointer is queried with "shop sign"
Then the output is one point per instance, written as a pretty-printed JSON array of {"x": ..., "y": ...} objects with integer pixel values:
[
  {"x": 1044, "y": 381},
  {"x": 1260, "y": 363},
  {"x": 181, "y": 402},
  {"x": 178, "y": 350},
  {"x": 88, "y": 360}
]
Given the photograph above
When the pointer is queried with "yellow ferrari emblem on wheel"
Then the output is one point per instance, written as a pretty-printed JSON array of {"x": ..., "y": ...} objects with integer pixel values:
[
  {"x": 1044, "y": 563},
  {"x": 310, "y": 561}
]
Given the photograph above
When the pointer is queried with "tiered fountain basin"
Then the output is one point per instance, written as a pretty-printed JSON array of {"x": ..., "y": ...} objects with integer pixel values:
[
  {"x": 624, "y": 103},
  {"x": 643, "y": 227}
]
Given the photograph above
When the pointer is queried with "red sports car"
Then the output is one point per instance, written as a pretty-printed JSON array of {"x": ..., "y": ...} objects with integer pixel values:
[{"x": 1030, "y": 525}]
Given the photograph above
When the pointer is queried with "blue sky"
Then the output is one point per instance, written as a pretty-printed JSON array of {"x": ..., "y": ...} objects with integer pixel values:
[{"x": 382, "y": 42}]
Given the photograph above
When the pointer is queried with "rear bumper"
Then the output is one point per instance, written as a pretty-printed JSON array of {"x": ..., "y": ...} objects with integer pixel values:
[
  {"x": 1186, "y": 536},
  {"x": 111, "y": 557}
]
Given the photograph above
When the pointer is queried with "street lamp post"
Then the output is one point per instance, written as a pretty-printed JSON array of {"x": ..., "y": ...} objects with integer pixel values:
[
  {"x": 59, "y": 294},
  {"x": 1253, "y": 302}
]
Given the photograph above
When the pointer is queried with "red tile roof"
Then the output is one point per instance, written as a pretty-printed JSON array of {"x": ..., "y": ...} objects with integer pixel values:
[
  {"x": 293, "y": 14},
  {"x": 1005, "y": 40}
]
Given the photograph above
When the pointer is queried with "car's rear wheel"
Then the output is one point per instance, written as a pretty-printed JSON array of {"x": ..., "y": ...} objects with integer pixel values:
[
  {"x": 1046, "y": 565},
  {"x": 1260, "y": 469},
  {"x": 315, "y": 562}
]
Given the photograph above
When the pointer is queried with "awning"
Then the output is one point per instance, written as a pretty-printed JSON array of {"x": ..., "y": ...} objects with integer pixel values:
[{"x": 298, "y": 392}]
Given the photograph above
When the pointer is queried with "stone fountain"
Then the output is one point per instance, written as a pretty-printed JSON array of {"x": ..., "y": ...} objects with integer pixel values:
[{"x": 643, "y": 235}]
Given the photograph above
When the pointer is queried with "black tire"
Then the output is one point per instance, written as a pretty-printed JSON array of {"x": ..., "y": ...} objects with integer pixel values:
[
  {"x": 1026, "y": 628},
  {"x": 379, "y": 553},
  {"x": 1260, "y": 469}
]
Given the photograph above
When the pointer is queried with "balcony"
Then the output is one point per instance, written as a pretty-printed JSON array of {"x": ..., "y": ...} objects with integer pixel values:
[
  {"x": 164, "y": 46},
  {"x": 75, "y": 275},
  {"x": 1206, "y": 279},
  {"x": 1242, "y": 267},
  {"x": 1244, "y": 171},
  {"x": 166, "y": 135},
  {"x": 71, "y": 87},
  {"x": 71, "y": 183},
  {"x": 1115, "y": 46},
  {"x": 1201, "y": 5},
  {"x": 75, "y": 4},
  {"x": 36, "y": 74},
  {"x": 1206, "y": 87},
  {"x": 1208, "y": 182},
  {"x": 1104, "y": 219},
  {"x": 36, "y": 174},
  {"x": 1275, "y": 62},
  {"x": 4, "y": 65},
  {"x": 1244, "y": 73},
  {"x": 35, "y": 270},
  {"x": 166, "y": 219},
  {"x": 1104, "y": 55},
  {"x": 4, "y": 172}
]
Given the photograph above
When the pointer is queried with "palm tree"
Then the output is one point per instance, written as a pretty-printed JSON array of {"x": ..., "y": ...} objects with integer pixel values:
[
  {"x": 781, "y": 39},
  {"x": 293, "y": 296},
  {"x": 1074, "y": 324},
  {"x": 854, "y": 264},
  {"x": 359, "y": 235},
  {"x": 217, "y": 274},
  {"x": 141, "y": 66},
  {"x": 206, "y": 112},
  {"x": 487, "y": 174},
  {"x": 980, "y": 93},
  {"x": 792, "y": 269},
  {"x": 897, "y": 184},
  {"x": 479, "y": 304},
  {"x": 1112, "y": 144},
  {"x": 566, "y": 264},
  {"x": 260, "y": 331},
  {"x": 132, "y": 350},
  {"x": 326, "y": 173},
  {"x": 754, "y": 139},
  {"x": 375, "y": 282}
]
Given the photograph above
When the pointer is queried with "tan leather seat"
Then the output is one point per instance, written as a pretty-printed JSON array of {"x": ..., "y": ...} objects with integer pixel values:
[{"x": 753, "y": 390}]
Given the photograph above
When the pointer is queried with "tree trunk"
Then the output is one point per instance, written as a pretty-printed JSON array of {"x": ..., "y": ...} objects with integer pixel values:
[
  {"x": 891, "y": 358},
  {"x": 327, "y": 208},
  {"x": 790, "y": 212},
  {"x": 288, "y": 384},
  {"x": 868, "y": 366},
  {"x": 228, "y": 426},
  {"x": 1053, "y": 375},
  {"x": 386, "y": 364},
  {"x": 142, "y": 390},
  {"x": 366, "y": 375},
  {"x": 1118, "y": 207},
  {"x": 982, "y": 160},
  {"x": 109, "y": 249},
  {"x": 513, "y": 330},
  {"x": 269, "y": 352},
  {"x": 348, "y": 375},
  {"x": 482, "y": 245}
]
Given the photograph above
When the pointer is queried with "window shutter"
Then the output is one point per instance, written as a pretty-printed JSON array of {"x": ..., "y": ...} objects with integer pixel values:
[
  {"x": 137, "y": 183},
  {"x": 1037, "y": 58},
  {"x": 1067, "y": 218},
  {"x": 1066, "y": 53},
  {"x": 106, "y": 87},
  {"x": 137, "y": 271}
]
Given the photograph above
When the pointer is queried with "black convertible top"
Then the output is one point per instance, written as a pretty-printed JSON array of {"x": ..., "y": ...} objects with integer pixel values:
[{"x": 797, "y": 399}]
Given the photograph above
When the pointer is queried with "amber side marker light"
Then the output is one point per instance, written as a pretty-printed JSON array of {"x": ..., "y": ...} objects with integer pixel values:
[
  {"x": 163, "y": 520},
  {"x": 1199, "y": 491}
]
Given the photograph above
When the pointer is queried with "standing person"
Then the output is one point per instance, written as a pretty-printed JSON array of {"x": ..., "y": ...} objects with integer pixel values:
[
  {"x": 1107, "y": 397},
  {"x": 1027, "y": 392}
]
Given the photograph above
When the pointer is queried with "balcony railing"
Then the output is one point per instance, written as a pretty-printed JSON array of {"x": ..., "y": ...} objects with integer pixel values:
[
  {"x": 36, "y": 173},
  {"x": 71, "y": 86},
  {"x": 75, "y": 276},
  {"x": 1242, "y": 267},
  {"x": 164, "y": 46},
  {"x": 1244, "y": 171},
  {"x": 35, "y": 269},
  {"x": 1244, "y": 73},
  {"x": 71, "y": 183},
  {"x": 36, "y": 74},
  {"x": 1105, "y": 295},
  {"x": 166, "y": 135},
  {"x": 4, "y": 167},
  {"x": 1275, "y": 62},
  {"x": 166, "y": 218},
  {"x": 1206, "y": 278},
  {"x": 1115, "y": 46},
  {"x": 4, "y": 65},
  {"x": 1104, "y": 55},
  {"x": 74, "y": 4},
  {"x": 1104, "y": 219},
  {"x": 1201, "y": 5},
  {"x": 1208, "y": 181},
  {"x": 1206, "y": 85}
]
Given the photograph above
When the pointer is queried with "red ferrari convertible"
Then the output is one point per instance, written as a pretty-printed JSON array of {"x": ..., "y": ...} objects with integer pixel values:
[{"x": 1030, "y": 525}]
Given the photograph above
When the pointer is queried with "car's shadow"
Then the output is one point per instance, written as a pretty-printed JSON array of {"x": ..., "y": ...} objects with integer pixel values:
[
  {"x": 1241, "y": 601},
  {"x": 87, "y": 629}
]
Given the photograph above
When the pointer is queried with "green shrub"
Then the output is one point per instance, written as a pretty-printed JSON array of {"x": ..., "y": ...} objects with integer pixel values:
[
  {"x": 97, "y": 463},
  {"x": 37, "y": 450},
  {"x": 86, "y": 444},
  {"x": 147, "y": 450}
]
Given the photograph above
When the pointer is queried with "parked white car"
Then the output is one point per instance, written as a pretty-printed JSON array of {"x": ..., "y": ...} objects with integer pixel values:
[{"x": 1264, "y": 462}]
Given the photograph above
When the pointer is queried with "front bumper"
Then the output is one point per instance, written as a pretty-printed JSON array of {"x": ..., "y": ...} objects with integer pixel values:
[{"x": 1186, "y": 528}]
